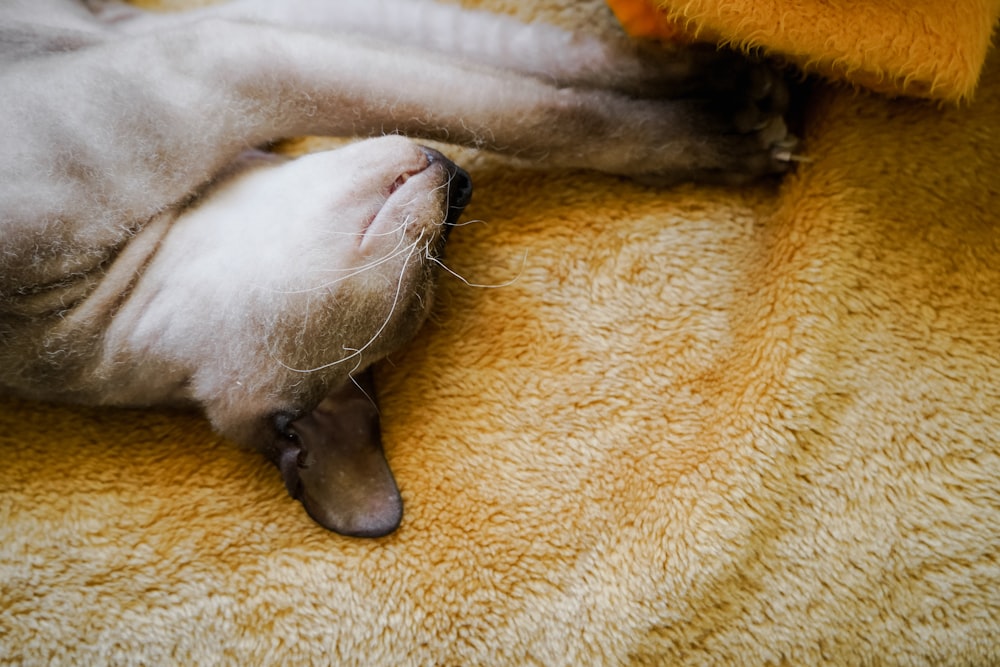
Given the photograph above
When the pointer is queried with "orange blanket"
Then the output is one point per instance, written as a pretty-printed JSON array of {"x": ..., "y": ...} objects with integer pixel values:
[
  {"x": 925, "y": 48},
  {"x": 696, "y": 426}
]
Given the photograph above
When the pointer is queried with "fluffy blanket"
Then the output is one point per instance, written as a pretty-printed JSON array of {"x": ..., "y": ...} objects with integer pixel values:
[
  {"x": 916, "y": 47},
  {"x": 754, "y": 426}
]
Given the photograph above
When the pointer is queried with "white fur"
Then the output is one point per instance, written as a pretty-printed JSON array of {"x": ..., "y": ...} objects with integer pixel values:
[{"x": 148, "y": 258}]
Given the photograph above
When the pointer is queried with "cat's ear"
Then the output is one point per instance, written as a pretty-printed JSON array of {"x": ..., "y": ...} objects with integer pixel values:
[{"x": 334, "y": 464}]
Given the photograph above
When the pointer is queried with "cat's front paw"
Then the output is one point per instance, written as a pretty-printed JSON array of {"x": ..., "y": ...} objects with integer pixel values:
[
  {"x": 737, "y": 128},
  {"x": 732, "y": 131},
  {"x": 750, "y": 101}
]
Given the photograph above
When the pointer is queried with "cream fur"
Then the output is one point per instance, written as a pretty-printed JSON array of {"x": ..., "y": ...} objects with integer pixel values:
[
  {"x": 142, "y": 267},
  {"x": 701, "y": 426}
]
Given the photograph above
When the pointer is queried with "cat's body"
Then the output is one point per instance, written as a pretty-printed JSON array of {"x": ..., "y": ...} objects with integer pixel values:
[{"x": 147, "y": 257}]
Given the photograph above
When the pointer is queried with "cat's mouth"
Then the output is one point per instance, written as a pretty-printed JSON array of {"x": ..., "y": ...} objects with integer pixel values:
[{"x": 439, "y": 178}]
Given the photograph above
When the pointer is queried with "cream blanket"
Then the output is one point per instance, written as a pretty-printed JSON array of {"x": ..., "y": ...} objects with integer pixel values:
[{"x": 691, "y": 426}]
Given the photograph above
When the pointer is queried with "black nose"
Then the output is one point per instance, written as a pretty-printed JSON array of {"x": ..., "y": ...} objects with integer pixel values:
[{"x": 459, "y": 186}]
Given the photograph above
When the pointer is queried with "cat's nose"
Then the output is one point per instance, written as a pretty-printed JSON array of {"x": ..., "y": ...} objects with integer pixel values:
[{"x": 459, "y": 185}]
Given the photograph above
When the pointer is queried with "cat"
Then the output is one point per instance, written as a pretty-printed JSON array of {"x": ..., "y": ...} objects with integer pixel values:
[{"x": 153, "y": 254}]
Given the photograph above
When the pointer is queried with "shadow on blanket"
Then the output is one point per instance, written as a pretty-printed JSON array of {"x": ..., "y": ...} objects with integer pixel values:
[{"x": 753, "y": 426}]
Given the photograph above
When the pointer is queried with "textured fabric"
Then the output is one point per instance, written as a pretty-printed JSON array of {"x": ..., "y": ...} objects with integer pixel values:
[
  {"x": 924, "y": 47},
  {"x": 691, "y": 426}
]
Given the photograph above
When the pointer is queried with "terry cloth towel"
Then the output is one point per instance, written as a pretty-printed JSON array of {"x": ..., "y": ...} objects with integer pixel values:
[
  {"x": 924, "y": 48},
  {"x": 703, "y": 425}
]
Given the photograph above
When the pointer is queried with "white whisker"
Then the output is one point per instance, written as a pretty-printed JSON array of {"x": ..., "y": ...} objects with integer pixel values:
[
  {"x": 520, "y": 272},
  {"x": 400, "y": 249},
  {"x": 355, "y": 353},
  {"x": 371, "y": 399},
  {"x": 395, "y": 230},
  {"x": 467, "y": 222}
]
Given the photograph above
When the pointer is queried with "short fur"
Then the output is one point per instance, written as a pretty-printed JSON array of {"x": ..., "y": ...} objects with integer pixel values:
[{"x": 148, "y": 258}]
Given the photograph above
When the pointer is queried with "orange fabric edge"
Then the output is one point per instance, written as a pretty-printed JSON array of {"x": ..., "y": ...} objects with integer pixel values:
[{"x": 916, "y": 48}]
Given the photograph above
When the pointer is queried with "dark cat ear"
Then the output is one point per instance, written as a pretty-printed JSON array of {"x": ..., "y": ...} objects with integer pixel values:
[{"x": 334, "y": 465}]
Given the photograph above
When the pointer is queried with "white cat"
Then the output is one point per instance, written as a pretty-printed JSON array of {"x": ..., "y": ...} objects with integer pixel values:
[{"x": 149, "y": 256}]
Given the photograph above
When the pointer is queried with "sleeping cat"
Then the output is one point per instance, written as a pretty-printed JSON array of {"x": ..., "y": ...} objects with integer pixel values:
[{"x": 152, "y": 254}]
